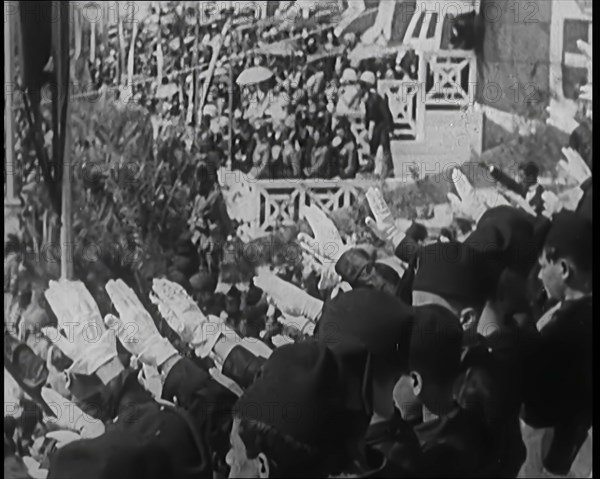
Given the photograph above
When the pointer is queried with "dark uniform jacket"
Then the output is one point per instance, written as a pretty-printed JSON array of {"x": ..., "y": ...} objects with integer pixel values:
[
  {"x": 584, "y": 207},
  {"x": 455, "y": 445},
  {"x": 492, "y": 385},
  {"x": 397, "y": 441},
  {"x": 559, "y": 392},
  {"x": 408, "y": 251},
  {"x": 151, "y": 439}
]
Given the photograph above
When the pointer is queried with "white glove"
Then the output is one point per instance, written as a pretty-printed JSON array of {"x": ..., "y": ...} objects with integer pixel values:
[
  {"x": 183, "y": 315},
  {"x": 134, "y": 326},
  {"x": 585, "y": 48},
  {"x": 518, "y": 201},
  {"x": 468, "y": 202},
  {"x": 327, "y": 245},
  {"x": 491, "y": 197},
  {"x": 87, "y": 343},
  {"x": 33, "y": 468},
  {"x": 570, "y": 198},
  {"x": 287, "y": 297},
  {"x": 383, "y": 226},
  {"x": 225, "y": 381},
  {"x": 69, "y": 418},
  {"x": 562, "y": 115},
  {"x": 257, "y": 347},
  {"x": 343, "y": 287},
  {"x": 552, "y": 204},
  {"x": 280, "y": 340},
  {"x": 585, "y": 93},
  {"x": 328, "y": 278},
  {"x": 575, "y": 166},
  {"x": 12, "y": 391},
  {"x": 150, "y": 378},
  {"x": 300, "y": 323}
]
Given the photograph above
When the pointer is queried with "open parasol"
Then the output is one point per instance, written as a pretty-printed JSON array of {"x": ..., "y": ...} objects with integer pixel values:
[{"x": 254, "y": 75}]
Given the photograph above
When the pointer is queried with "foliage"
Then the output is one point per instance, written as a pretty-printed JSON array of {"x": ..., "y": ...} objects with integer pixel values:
[
  {"x": 129, "y": 204},
  {"x": 132, "y": 201}
]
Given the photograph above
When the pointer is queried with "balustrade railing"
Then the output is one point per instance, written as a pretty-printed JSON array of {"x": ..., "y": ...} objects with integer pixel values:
[
  {"x": 450, "y": 78},
  {"x": 262, "y": 205}
]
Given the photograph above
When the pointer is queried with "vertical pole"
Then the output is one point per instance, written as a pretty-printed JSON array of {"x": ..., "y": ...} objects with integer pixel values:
[
  {"x": 230, "y": 105},
  {"x": 9, "y": 79},
  {"x": 66, "y": 231},
  {"x": 211, "y": 67},
  {"x": 196, "y": 73},
  {"x": 420, "y": 98}
]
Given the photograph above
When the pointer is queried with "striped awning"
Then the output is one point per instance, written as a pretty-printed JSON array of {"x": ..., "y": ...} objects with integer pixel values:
[{"x": 424, "y": 25}]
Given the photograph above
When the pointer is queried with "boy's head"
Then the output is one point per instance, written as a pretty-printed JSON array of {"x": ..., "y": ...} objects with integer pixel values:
[
  {"x": 530, "y": 172},
  {"x": 566, "y": 258},
  {"x": 457, "y": 277},
  {"x": 233, "y": 300},
  {"x": 203, "y": 286},
  {"x": 434, "y": 356},
  {"x": 369, "y": 331},
  {"x": 291, "y": 420}
]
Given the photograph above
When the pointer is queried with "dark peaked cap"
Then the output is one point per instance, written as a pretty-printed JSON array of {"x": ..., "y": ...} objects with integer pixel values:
[
  {"x": 455, "y": 271},
  {"x": 436, "y": 342},
  {"x": 352, "y": 263},
  {"x": 506, "y": 235},
  {"x": 369, "y": 332},
  {"x": 570, "y": 235},
  {"x": 370, "y": 320},
  {"x": 297, "y": 393}
]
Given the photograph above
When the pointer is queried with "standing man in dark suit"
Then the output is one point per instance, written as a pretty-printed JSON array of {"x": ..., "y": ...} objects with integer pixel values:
[{"x": 379, "y": 122}]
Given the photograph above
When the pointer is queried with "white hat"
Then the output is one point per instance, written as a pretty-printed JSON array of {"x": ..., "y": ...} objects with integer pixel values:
[
  {"x": 349, "y": 76},
  {"x": 210, "y": 110},
  {"x": 367, "y": 77}
]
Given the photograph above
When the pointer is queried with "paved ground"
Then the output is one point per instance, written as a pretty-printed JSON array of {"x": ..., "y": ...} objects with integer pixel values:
[{"x": 450, "y": 139}]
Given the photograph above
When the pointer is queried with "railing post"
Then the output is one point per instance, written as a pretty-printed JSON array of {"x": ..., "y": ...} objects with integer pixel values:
[
  {"x": 421, "y": 96},
  {"x": 472, "y": 79}
]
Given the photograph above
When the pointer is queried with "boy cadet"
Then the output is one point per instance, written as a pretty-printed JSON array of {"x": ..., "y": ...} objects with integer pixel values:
[
  {"x": 559, "y": 400},
  {"x": 369, "y": 332}
]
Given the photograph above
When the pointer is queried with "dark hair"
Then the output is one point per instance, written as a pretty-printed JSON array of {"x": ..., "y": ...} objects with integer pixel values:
[
  {"x": 463, "y": 303},
  {"x": 580, "y": 258},
  {"x": 387, "y": 273},
  {"x": 417, "y": 231},
  {"x": 530, "y": 169},
  {"x": 287, "y": 457}
]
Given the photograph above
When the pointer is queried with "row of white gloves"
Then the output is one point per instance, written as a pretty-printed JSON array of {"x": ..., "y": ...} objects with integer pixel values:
[
  {"x": 302, "y": 311},
  {"x": 90, "y": 342}
]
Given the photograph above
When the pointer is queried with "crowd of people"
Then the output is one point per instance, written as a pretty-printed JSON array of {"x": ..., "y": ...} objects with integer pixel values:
[
  {"x": 316, "y": 99},
  {"x": 463, "y": 354},
  {"x": 458, "y": 356},
  {"x": 319, "y": 115}
]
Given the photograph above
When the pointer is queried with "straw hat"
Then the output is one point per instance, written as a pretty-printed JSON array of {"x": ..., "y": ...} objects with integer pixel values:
[
  {"x": 349, "y": 76},
  {"x": 367, "y": 77}
]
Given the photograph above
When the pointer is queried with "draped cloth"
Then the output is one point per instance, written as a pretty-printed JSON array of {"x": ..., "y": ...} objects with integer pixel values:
[
  {"x": 45, "y": 36},
  {"x": 382, "y": 28}
]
